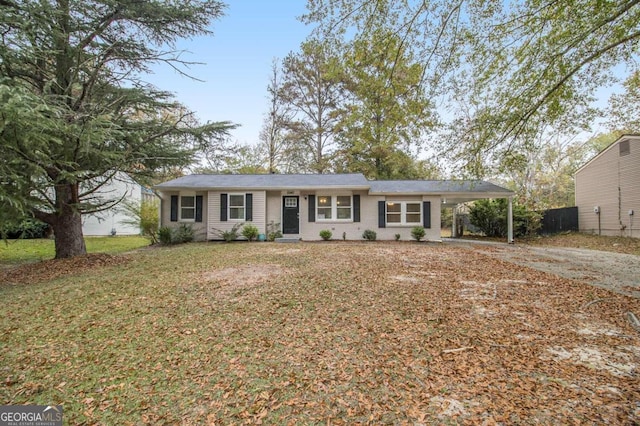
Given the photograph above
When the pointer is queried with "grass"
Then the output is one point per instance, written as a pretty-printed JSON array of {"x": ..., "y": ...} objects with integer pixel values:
[
  {"x": 336, "y": 333},
  {"x": 25, "y": 251}
]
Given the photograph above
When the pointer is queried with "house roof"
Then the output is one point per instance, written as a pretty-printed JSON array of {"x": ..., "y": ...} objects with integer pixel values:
[
  {"x": 454, "y": 191},
  {"x": 266, "y": 181}
]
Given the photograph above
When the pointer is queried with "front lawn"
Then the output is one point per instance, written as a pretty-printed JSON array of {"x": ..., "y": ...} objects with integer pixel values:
[
  {"x": 24, "y": 251},
  {"x": 315, "y": 333}
]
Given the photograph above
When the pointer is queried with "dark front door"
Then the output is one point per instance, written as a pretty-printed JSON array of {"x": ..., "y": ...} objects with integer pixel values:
[{"x": 290, "y": 215}]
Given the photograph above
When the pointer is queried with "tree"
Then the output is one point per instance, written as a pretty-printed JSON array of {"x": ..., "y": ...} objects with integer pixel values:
[
  {"x": 624, "y": 108},
  {"x": 385, "y": 114},
  {"x": 74, "y": 109},
  {"x": 534, "y": 62},
  {"x": 312, "y": 88},
  {"x": 273, "y": 135}
]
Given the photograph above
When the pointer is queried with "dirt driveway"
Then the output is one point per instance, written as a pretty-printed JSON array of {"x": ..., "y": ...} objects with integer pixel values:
[{"x": 613, "y": 271}]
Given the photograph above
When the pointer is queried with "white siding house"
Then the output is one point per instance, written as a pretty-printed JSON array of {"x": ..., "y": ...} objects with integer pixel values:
[
  {"x": 303, "y": 205},
  {"x": 110, "y": 222}
]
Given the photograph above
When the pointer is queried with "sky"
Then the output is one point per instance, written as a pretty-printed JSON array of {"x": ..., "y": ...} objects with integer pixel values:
[{"x": 236, "y": 61}]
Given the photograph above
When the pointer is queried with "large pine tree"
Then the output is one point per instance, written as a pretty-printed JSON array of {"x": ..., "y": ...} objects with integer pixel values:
[{"x": 75, "y": 109}]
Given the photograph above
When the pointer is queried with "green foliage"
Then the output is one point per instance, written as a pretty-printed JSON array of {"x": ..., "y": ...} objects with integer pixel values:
[
  {"x": 326, "y": 235},
  {"x": 183, "y": 234},
  {"x": 71, "y": 118},
  {"x": 144, "y": 215},
  {"x": 397, "y": 237},
  {"x": 26, "y": 228},
  {"x": 491, "y": 217},
  {"x": 229, "y": 235},
  {"x": 273, "y": 231},
  {"x": 165, "y": 235},
  {"x": 418, "y": 233},
  {"x": 250, "y": 232},
  {"x": 369, "y": 235},
  {"x": 387, "y": 111}
]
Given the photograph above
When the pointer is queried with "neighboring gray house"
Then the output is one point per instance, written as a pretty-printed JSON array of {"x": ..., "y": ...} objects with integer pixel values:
[
  {"x": 305, "y": 204},
  {"x": 608, "y": 190}
]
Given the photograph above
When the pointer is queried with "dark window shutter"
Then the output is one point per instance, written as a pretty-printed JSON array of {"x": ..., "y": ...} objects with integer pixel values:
[
  {"x": 312, "y": 208},
  {"x": 198, "y": 208},
  {"x": 356, "y": 208},
  {"x": 426, "y": 214},
  {"x": 174, "y": 208},
  {"x": 248, "y": 208},
  {"x": 381, "y": 215},
  {"x": 223, "y": 207}
]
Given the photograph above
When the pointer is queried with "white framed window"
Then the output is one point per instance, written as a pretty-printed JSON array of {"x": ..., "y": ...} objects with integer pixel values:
[
  {"x": 334, "y": 207},
  {"x": 236, "y": 206},
  {"x": 404, "y": 213},
  {"x": 188, "y": 207},
  {"x": 291, "y": 202}
]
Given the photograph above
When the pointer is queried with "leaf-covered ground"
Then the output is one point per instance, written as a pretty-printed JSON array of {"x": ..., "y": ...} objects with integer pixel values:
[{"x": 318, "y": 333}]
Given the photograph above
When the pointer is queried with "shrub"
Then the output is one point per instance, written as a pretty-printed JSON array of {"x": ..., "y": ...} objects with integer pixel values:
[
  {"x": 369, "y": 235},
  {"x": 397, "y": 236},
  {"x": 184, "y": 234},
  {"x": 418, "y": 233},
  {"x": 491, "y": 217},
  {"x": 344, "y": 236},
  {"x": 26, "y": 228},
  {"x": 273, "y": 231},
  {"x": 250, "y": 232},
  {"x": 143, "y": 215},
  {"x": 229, "y": 234},
  {"x": 325, "y": 234},
  {"x": 165, "y": 235}
]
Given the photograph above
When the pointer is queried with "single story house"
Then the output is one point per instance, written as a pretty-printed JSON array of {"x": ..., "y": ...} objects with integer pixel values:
[
  {"x": 608, "y": 190},
  {"x": 305, "y": 204}
]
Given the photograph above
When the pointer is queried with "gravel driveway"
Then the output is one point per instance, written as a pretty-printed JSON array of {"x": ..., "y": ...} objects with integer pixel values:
[{"x": 614, "y": 271}]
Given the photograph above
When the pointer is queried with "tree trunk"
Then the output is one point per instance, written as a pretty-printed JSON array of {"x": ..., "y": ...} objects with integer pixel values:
[
  {"x": 66, "y": 222},
  {"x": 68, "y": 234}
]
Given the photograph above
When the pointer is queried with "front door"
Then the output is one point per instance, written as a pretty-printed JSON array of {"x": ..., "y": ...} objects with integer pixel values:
[{"x": 290, "y": 215}]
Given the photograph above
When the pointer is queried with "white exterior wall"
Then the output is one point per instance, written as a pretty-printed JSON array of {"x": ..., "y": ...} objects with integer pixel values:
[
  {"x": 102, "y": 223},
  {"x": 310, "y": 231},
  {"x": 212, "y": 216},
  {"x": 199, "y": 228}
]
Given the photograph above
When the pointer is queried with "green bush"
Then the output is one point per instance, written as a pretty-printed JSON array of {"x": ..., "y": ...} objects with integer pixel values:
[
  {"x": 397, "y": 236},
  {"x": 165, "y": 235},
  {"x": 325, "y": 234},
  {"x": 491, "y": 217},
  {"x": 26, "y": 228},
  {"x": 184, "y": 234},
  {"x": 369, "y": 235},
  {"x": 250, "y": 232},
  {"x": 418, "y": 233},
  {"x": 144, "y": 215},
  {"x": 273, "y": 231},
  {"x": 229, "y": 234}
]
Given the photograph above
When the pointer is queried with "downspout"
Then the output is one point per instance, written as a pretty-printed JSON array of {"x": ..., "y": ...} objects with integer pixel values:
[{"x": 510, "y": 222}]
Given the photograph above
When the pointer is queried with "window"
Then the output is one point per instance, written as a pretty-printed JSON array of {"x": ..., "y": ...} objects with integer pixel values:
[
  {"x": 188, "y": 207},
  {"x": 331, "y": 207},
  {"x": 291, "y": 202},
  {"x": 236, "y": 206},
  {"x": 404, "y": 213}
]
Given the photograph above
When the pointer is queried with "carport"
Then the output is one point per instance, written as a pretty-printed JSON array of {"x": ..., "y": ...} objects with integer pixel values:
[{"x": 455, "y": 193}]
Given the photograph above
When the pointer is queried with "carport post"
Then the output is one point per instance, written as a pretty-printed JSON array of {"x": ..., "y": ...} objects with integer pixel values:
[
  {"x": 510, "y": 222},
  {"x": 454, "y": 231}
]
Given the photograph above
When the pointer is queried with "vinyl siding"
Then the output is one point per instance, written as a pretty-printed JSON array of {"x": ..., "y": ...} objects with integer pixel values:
[
  {"x": 213, "y": 213},
  {"x": 199, "y": 228},
  {"x": 611, "y": 182}
]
